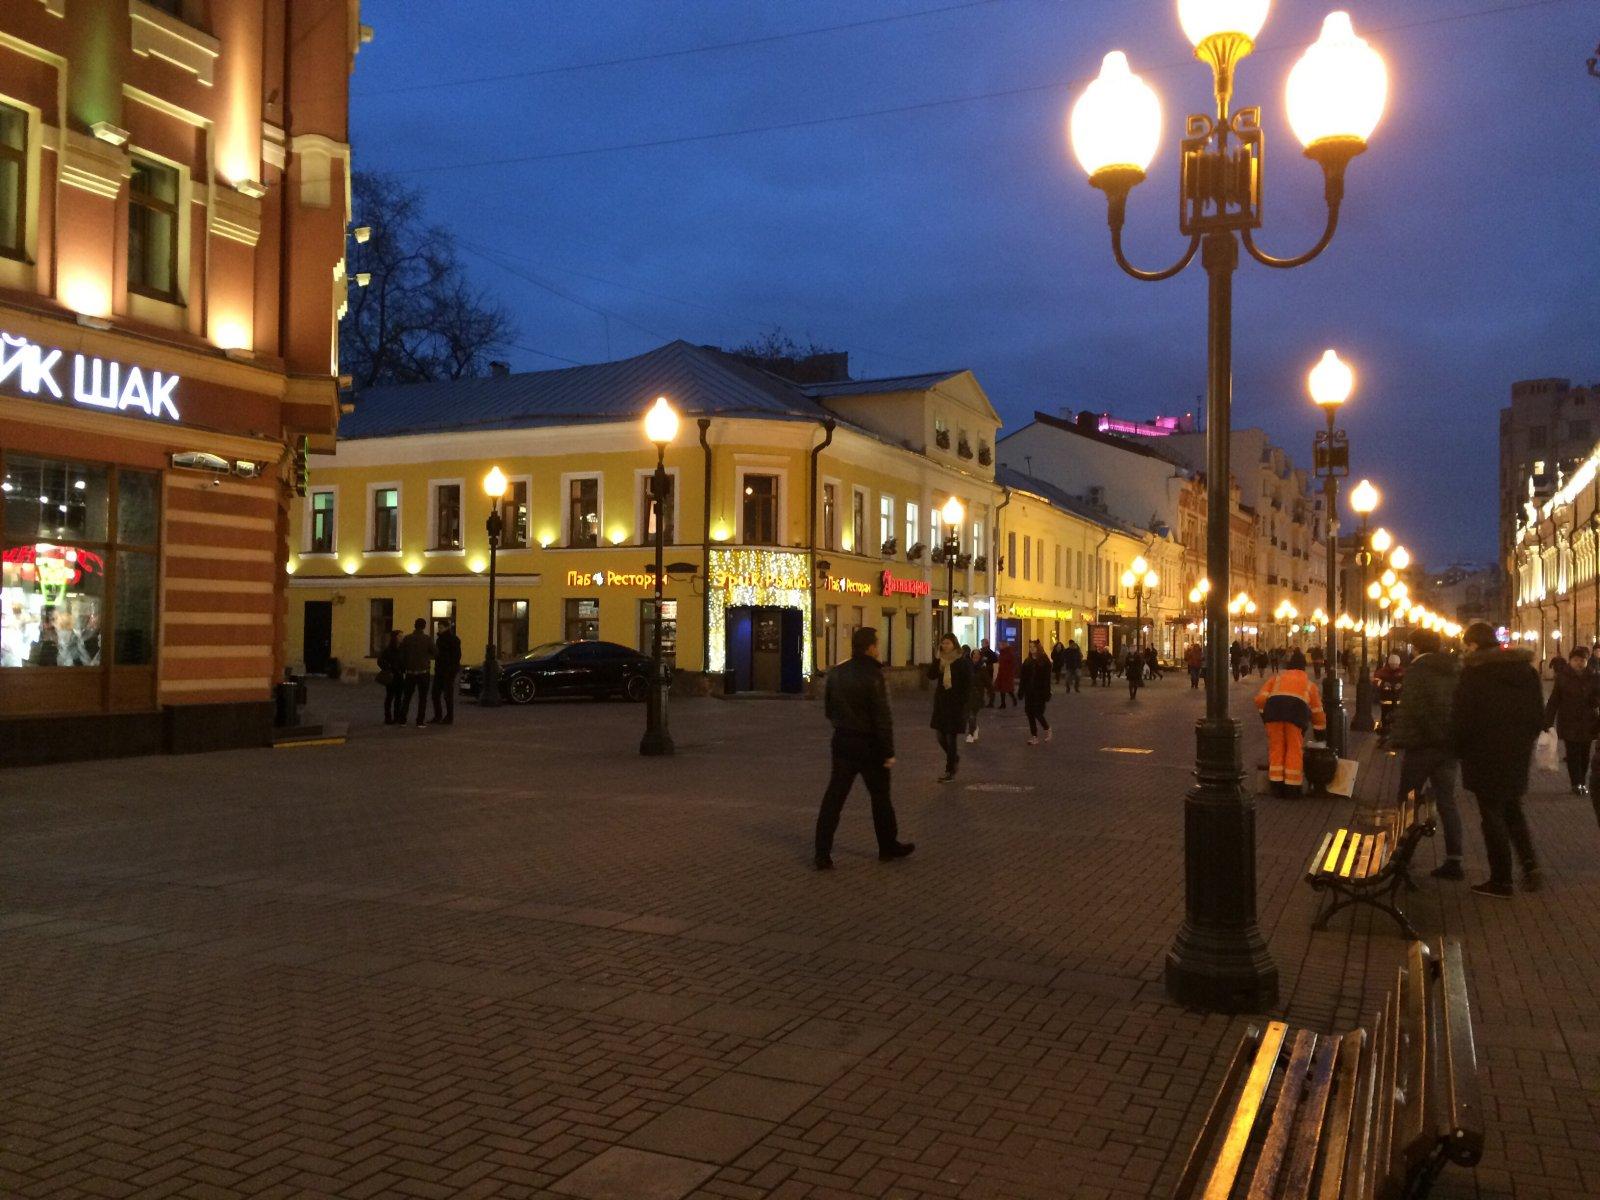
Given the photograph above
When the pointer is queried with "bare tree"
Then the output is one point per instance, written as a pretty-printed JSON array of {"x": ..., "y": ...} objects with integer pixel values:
[
  {"x": 418, "y": 318},
  {"x": 777, "y": 352}
]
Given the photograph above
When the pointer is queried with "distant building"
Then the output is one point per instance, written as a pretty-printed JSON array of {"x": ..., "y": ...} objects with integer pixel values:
[{"x": 1463, "y": 592}]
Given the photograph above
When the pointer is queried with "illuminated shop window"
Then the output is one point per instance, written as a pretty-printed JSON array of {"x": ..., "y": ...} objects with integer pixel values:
[
  {"x": 13, "y": 180},
  {"x": 441, "y": 616},
  {"x": 669, "y": 628},
  {"x": 74, "y": 591},
  {"x": 583, "y": 620}
]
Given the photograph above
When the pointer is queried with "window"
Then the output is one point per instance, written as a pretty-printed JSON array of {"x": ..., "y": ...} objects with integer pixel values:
[
  {"x": 647, "y": 522},
  {"x": 1535, "y": 436},
  {"x": 1027, "y": 546},
  {"x": 885, "y": 519},
  {"x": 67, "y": 575},
  {"x": 1057, "y": 575},
  {"x": 760, "y": 507},
  {"x": 511, "y": 628},
  {"x": 322, "y": 524},
  {"x": 13, "y": 180},
  {"x": 380, "y": 620},
  {"x": 830, "y": 516},
  {"x": 386, "y": 520},
  {"x": 583, "y": 511},
  {"x": 886, "y": 636},
  {"x": 1011, "y": 554},
  {"x": 977, "y": 538},
  {"x": 153, "y": 230},
  {"x": 441, "y": 615},
  {"x": 913, "y": 528},
  {"x": 583, "y": 620},
  {"x": 858, "y": 520},
  {"x": 669, "y": 629},
  {"x": 911, "y": 638},
  {"x": 514, "y": 516},
  {"x": 1080, "y": 570},
  {"x": 830, "y": 635},
  {"x": 1579, "y": 431},
  {"x": 446, "y": 516}
]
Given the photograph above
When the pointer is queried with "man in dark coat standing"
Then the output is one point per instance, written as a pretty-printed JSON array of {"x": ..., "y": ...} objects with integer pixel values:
[
  {"x": 856, "y": 701},
  {"x": 1496, "y": 716},
  {"x": 416, "y": 656},
  {"x": 446, "y": 666},
  {"x": 1422, "y": 729}
]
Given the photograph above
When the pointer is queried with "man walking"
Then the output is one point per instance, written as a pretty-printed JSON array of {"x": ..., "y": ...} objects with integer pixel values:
[
  {"x": 1072, "y": 666},
  {"x": 1194, "y": 658},
  {"x": 1422, "y": 730},
  {"x": 446, "y": 666},
  {"x": 416, "y": 655},
  {"x": 856, "y": 701},
  {"x": 1496, "y": 716}
]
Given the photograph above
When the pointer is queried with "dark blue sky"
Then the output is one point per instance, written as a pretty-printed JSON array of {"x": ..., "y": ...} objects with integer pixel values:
[{"x": 963, "y": 234}]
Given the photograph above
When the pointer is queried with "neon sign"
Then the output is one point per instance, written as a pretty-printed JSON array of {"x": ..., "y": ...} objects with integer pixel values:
[
  {"x": 1041, "y": 611},
  {"x": 891, "y": 584},
  {"x": 53, "y": 568},
  {"x": 640, "y": 579},
  {"x": 837, "y": 583},
  {"x": 97, "y": 382}
]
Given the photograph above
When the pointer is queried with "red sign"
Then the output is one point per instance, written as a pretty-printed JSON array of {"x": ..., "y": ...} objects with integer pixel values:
[
  {"x": 896, "y": 585},
  {"x": 1099, "y": 637},
  {"x": 78, "y": 562}
]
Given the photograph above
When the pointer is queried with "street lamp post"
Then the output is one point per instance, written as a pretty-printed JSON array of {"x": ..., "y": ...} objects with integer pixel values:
[
  {"x": 1363, "y": 501},
  {"x": 1219, "y": 959},
  {"x": 952, "y": 514},
  {"x": 660, "y": 426},
  {"x": 494, "y": 486},
  {"x": 1139, "y": 578},
  {"x": 1330, "y": 383}
]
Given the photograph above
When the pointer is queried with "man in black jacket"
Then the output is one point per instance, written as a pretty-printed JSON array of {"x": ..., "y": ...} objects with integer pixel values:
[
  {"x": 856, "y": 700},
  {"x": 1496, "y": 716},
  {"x": 446, "y": 666},
  {"x": 416, "y": 656}
]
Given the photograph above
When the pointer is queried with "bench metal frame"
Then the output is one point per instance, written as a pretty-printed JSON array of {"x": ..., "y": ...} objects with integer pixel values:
[{"x": 1371, "y": 867}]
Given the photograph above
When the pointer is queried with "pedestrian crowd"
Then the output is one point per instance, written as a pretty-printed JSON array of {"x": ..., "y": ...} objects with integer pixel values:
[{"x": 421, "y": 666}]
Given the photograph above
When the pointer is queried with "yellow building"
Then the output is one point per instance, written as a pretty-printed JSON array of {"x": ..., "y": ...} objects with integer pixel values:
[{"x": 795, "y": 514}]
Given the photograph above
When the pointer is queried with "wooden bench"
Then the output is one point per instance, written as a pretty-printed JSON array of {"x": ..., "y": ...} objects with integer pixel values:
[
  {"x": 1308, "y": 1116},
  {"x": 1372, "y": 866}
]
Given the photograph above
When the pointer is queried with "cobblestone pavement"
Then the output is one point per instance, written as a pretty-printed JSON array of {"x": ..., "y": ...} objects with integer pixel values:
[{"x": 510, "y": 958}]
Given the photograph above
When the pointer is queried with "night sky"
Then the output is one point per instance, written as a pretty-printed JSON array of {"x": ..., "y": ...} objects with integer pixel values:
[{"x": 963, "y": 234}]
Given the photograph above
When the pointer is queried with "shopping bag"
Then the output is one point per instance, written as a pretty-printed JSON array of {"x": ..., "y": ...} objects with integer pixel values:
[{"x": 1546, "y": 756}]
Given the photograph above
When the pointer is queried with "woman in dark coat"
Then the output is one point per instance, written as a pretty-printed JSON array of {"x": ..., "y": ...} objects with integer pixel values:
[
  {"x": 1035, "y": 689},
  {"x": 1005, "y": 674},
  {"x": 392, "y": 674},
  {"x": 952, "y": 681},
  {"x": 1574, "y": 710},
  {"x": 1133, "y": 668},
  {"x": 982, "y": 684}
]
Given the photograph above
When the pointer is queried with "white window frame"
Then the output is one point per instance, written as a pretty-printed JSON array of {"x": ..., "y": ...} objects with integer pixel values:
[
  {"x": 913, "y": 524},
  {"x": 866, "y": 517},
  {"x": 433, "y": 550},
  {"x": 782, "y": 475},
  {"x": 306, "y": 533},
  {"x": 567, "y": 479},
  {"x": 511, "y": 483},
  {"x": 976, "y": 533},
  {"x": 399, "y": 519},
  {"x": 641, "y": 479},
  {"x": 886, "y": 524},
  {"x": 828, "y": 543}
]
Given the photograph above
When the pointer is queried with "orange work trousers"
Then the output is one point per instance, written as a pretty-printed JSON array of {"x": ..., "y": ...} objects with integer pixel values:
[{"x": 1285, "y": 753}]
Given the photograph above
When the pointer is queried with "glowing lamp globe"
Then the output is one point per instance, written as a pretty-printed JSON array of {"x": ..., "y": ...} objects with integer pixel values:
[
  {"x": 952, "y": 512},
  {"x": 661, "y": 422},
  {"x": 1382, "y": 539},
  {"x": 1400, "y": 559},
  {"x": 1203, "y": 20},
  {"x": 1331, "y": 381},
  {"x": 1337, "y": 90},
  {"x": 494, "y": 483},
  {"x": 1115, "y": 125},
  {"x": 1363, "y": 498}
]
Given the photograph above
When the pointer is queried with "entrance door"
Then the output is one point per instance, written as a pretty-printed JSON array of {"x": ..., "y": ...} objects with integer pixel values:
[
  {"x": 766, "y": 667},
  {"x": 318, "y": 640}
]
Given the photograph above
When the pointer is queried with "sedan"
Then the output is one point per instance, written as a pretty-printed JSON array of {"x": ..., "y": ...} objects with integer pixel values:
[{"x": 597, "y": 669}]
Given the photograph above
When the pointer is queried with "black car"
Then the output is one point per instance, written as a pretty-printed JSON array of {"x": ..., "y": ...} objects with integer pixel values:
[{"x": 597, "y": 669}]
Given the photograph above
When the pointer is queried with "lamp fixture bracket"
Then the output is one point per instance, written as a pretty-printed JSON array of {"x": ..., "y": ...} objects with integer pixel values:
[{"x": 1220, "y": 178}]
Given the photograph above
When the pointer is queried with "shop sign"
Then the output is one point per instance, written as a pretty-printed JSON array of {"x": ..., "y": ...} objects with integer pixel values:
[
  {"x": 98, "y": 382},
  {"x": 53, "y": 567},
  {"x": 763, "y": 574},
  {"x": 1099, "y": 637},
  {"x": 836, "y": 583},
  {"x": 1040, "y": 611},
  {"x": 898, "y": 585},
  {"x": 625, "y": 579}
]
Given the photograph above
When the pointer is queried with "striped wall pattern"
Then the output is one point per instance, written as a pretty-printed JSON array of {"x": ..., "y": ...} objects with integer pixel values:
[{"x": 220, "y": 590}]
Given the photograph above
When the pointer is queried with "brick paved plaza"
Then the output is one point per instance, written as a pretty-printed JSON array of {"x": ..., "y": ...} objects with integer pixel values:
[{"x": 512, "y": 959}]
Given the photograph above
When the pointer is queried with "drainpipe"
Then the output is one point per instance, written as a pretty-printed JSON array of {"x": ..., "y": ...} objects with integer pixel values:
[
  {"x": 994, "y": 573},
  {"x": 705, "y": 557},
  {"x": 828, "y": 425}
]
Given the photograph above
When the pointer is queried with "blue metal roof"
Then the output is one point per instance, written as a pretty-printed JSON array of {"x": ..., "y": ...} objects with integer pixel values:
[{"x": 699, "y": 381}]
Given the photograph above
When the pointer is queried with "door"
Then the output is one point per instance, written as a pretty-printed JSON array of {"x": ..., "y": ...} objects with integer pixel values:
[
  {"x": 739, "y": 623},
  {"x": 318, "y": 641},
  {"x": 794, "y": 628},
  {"x": 766, "y": 666}
]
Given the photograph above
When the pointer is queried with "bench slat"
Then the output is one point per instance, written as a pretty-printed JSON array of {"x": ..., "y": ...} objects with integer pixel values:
[
  {"x": 1310, "y": 1133},
  {"x": 1351, "y": 1108},
  {"x": 1315, "y": 866},
  {"x": 1463, "y": 1114},
  {"x": 1285, "y": 1118},
  {"x": 1243, "y": 1056},
  {"x": 1350, "y": 854},
  {"x": 1412, "y": 1142},
  {"x": 1330, "y": 863},
  {"x": 1223, "y": 1175}
]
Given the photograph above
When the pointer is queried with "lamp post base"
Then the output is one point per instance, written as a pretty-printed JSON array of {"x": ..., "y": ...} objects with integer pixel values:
[
  {"x": 1361, "y": 719},
  {"x": 1333, "y": 707},
  {"x": 657, "y": 742},
  {"x": 489, "y": 692},
  {"x": 1219, "y": 961}
]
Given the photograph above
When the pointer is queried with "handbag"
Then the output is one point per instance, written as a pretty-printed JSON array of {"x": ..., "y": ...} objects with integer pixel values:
[
  {"x": 385, "y": 678},
  {"x": 1545, "y": 753}
]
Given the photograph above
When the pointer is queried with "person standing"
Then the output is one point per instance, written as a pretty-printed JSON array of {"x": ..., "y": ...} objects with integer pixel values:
[
  {"x": 856, "y": 701},
  {"x": 1035, "y": 688},
  {"x": 1133, "y": 668},
  {"x": 1389, "y": 679},
  {"x": 1194, "y": 659},
  {"x": 982, "y": 677},
  {"x": 1072, "y": 666},
  {"x": 952, "y": 680},
  {"x": 1422, "y": 729},
  {"x": 1058, "y": 660},
  {"x": 1290, "y": 706},
  {"x": 446, "y": 666},
  {"x": 1496, "y": 715},
  {"x": 990, "y": 659},
  {"x": 1574, "y": 711},
  {"x": 416, "y": 656},
  {"x": 1005, "y": 675},
  {"x": 392, "y": 674},
  {"x": 1315, "y": 658}
]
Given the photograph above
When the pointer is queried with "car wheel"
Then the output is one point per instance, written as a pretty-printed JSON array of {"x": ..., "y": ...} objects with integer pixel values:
[
  {"x": 636, "y": 688},
  {"x": 521, "y": 689}
]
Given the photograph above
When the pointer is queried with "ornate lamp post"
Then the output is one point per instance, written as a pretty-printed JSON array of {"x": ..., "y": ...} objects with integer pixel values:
[
  {"x": 952, "y": 514},
  {"x": 1330, "y": 383},
  {"x": 1139, "y": 578},
  {"x": 1363, "y": 501},
  {"x": 1219, "y": 960},
  {"x": 660, "y": 426},
  {"x": 494, "y": 486}
]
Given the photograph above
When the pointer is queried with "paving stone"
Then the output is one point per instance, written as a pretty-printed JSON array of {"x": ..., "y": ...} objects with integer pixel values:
[
  {"x": 846, "y": 1037},
  {"x": 718, "y": 1137},
  {"x": 754, "y": 1096},
  {"x": 663, "y": 926},
  {"x": 803, "y": 1064},
  {"x": 568, "y": 993},
  {"x": 733, "y": 1018},
  {"x": 654, "y": 1007},
  {"x": 621, "y": 1173}
]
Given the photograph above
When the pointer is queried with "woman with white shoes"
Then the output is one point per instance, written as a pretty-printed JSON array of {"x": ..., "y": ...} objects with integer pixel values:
[
  {"x": 1035, "y": 689},
  {"x": 982, "y": 681}
]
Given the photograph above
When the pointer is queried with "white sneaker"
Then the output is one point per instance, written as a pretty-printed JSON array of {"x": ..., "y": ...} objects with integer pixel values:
[
  {"x": 1033, "y": 741},
  {"x": 975, "y": 734},
  {"x": 971, "y": 737},
  {"x": 1047, "y": 734}
]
